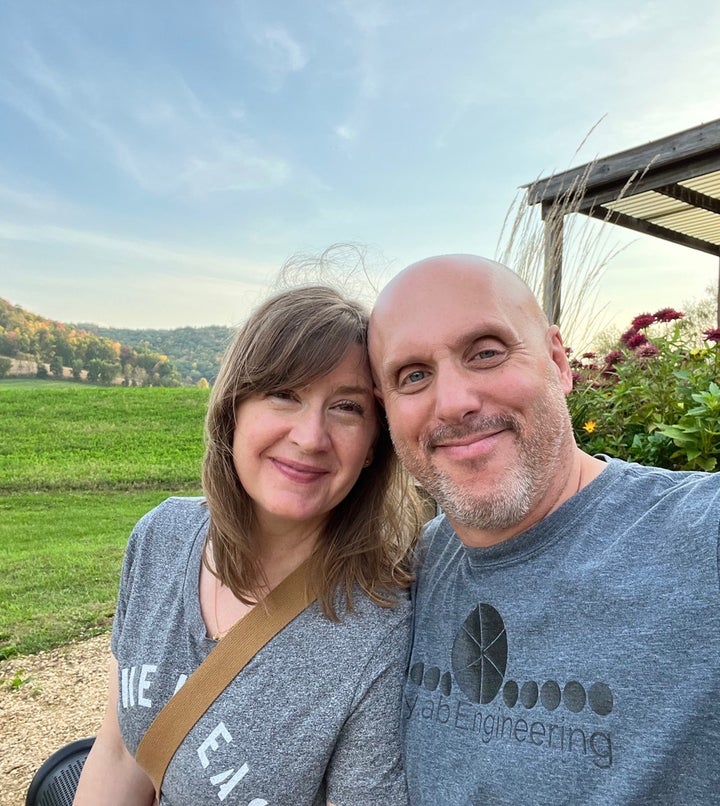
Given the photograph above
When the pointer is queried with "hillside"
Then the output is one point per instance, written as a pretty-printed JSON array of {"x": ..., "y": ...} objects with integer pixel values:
[
  {"x": 195, "y": 352},
  {"x": 34, "y": 345}
]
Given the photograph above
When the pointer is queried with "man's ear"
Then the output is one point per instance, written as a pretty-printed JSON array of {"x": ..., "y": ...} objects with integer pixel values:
[{"x": 559, "y": 357}]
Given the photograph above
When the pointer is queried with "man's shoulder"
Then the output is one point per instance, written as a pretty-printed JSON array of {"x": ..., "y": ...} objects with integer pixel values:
[{"x": 628, "y": 477}]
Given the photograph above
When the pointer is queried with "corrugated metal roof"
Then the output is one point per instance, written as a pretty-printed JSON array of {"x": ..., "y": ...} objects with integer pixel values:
[{"x": 669, "y": 188}]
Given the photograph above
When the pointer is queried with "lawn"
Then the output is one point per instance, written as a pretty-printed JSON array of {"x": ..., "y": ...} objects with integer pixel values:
[{"x": 78, "y": 467}]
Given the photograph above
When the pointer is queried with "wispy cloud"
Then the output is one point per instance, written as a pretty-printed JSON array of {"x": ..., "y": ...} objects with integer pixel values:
[
  {"x": 288, "y": 54},
  {"x": 149, "y": 251},
  {"x": 345, "y": 132},
  {"x": 33, "y": 109},
  {"x": 146, "y": 119}
]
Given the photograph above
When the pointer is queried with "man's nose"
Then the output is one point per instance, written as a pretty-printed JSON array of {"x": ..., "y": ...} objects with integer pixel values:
[{"x": 457, "y": 393}]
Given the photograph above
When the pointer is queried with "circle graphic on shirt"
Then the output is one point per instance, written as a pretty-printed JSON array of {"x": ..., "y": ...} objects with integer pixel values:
[
  {"x": 479, "y": 654},
  {"x": 529, "y": 694},
  {"x": 600, "y": 699},
  {"x": 550, "y": 695},
  {"x": 574, "y": 696},
  {"x": 510, "y": 693}
]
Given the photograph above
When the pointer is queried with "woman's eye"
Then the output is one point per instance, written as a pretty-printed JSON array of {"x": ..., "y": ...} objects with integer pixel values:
[
  {"x": 351, "y": 406},
  {"x": 282, "y": 394}
]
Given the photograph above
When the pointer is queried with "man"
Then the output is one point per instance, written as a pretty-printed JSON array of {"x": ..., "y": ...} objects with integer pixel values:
[{"x": 567, "y": 627}]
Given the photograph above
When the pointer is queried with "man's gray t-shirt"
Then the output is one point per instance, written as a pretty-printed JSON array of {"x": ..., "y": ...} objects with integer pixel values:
[
  {"x": 577, "y": 663},
  {"x": 313, "y": 716}
]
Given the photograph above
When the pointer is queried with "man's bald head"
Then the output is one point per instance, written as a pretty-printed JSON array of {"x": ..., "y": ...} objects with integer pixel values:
[
  {"x": 474, "y": 280},
  {"x": 473, "y": 380}
]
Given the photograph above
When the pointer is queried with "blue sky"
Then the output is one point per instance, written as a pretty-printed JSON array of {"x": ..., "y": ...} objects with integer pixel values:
[{"x": 160, "y": 160}]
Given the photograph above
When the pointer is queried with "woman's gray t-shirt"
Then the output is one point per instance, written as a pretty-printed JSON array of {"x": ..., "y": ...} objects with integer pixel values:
[{"x": 314, "y": 716}]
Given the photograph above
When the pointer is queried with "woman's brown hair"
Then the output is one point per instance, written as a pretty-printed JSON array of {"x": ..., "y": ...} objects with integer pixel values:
[{"x": 291, "y": 340}]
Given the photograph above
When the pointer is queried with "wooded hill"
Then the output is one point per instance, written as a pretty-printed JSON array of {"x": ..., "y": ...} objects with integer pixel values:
[
  {"x": 34, "y": 345},
  {"x": 195, "y": 352}
]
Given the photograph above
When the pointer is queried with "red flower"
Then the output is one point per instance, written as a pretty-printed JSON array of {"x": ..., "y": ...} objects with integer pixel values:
[
  {"x": 589, "y": 355},
  {"x": 648, "y": 350},
  {"x": 668, "y": 315},
  {"x": 627, "y": 335},
  {"x": 636, "y": 340},
  {"x": 643, "y": 320},
  {"x": 712, "y": 335},
  {"x": 614, "y": 357}
]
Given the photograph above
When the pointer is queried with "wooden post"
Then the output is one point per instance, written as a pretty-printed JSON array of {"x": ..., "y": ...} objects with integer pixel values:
[{"x": 552, "y": 271}]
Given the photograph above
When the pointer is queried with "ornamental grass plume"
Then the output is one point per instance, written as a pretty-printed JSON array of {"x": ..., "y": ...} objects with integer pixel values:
[
  {"x": 588, "y": 249},
  {"x": 655, "y": 399}
]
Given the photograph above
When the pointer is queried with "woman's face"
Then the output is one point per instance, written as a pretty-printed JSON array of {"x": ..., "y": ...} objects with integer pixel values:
[{"x": 298, "y": 452}]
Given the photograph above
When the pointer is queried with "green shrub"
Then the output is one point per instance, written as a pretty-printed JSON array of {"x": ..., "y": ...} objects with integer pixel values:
[{"x": 654, "y": 399}]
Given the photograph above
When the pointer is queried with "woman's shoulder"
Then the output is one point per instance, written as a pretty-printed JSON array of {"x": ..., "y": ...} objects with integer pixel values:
[
  {"x": 183, "y": 510},
  {"x": 169, "y": 524},
  {"x": 365, "y": 614}
]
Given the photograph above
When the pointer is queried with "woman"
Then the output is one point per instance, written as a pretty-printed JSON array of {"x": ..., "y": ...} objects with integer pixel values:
[{"x": 298, "y": 465}]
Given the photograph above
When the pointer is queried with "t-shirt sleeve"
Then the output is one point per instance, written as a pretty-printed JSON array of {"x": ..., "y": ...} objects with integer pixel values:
[
  {"x": 366, "y": 766},
  {"x": 127, "y": 574}
]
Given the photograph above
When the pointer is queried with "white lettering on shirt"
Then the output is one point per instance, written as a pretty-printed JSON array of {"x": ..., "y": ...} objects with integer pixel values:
[{"x": 211, "y": 743}]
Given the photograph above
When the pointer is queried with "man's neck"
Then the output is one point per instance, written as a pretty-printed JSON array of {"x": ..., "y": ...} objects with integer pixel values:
[{"x": 583, "y": 468}]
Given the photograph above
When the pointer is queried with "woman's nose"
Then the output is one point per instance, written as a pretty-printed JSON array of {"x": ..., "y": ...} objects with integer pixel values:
[{"x": 309, "y": 431}]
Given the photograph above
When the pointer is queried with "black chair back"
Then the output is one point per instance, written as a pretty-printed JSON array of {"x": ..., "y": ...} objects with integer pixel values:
[{"x": 56, "y": 780}]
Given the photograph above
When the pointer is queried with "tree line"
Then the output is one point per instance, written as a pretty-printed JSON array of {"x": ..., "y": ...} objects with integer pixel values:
[{"x": 63, "y": 350}]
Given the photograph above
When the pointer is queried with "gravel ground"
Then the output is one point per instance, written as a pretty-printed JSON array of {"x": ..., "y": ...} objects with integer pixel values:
[{"x": 62, "y": 699}]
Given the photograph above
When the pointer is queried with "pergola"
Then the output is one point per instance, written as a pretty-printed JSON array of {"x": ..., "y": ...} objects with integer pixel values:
[{"x": 669, "y": 188}]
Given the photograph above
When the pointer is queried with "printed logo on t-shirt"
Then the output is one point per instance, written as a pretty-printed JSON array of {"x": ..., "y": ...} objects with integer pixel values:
[
  {"x": 136, "y": 690},
  {"x": 479, "y": 661}
]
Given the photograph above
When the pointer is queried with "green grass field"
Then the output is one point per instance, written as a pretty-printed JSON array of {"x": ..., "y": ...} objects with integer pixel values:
[{"x": 78, "y": 466}]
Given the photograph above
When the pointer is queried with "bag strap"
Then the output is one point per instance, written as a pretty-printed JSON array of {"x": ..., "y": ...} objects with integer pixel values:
[{"x": 220, "y": 667}]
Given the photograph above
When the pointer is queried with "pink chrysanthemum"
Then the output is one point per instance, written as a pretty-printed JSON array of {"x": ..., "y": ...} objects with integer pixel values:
[
  {"x": 636, "y": 340},
  {"x": 644, "y": 320},
  {"x": 668, "y": 315},
  {"x": 712, "y": 335}
]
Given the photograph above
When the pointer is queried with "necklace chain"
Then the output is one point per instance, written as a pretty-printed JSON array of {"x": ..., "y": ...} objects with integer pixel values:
[{"x": 218, "y": 634}]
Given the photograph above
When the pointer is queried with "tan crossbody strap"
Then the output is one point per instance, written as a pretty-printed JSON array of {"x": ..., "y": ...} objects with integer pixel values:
[{"x": 219, "y": 668}]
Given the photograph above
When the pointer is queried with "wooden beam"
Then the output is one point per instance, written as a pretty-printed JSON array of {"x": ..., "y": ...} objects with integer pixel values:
[
  {"x": 649, "y": 228},
  {"x": 552, "y": 271},
  {"x": 650, "y": 181},
  {"x": 683, "y": 146},
  {"x": 691, "y": 197}
]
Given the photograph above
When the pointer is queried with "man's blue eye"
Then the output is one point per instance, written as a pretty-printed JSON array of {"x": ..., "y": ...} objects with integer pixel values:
[{"x": 415, "y": 376}]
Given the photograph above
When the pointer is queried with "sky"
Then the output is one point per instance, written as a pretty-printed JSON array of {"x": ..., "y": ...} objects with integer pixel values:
[{"x": 159, "y": 161}]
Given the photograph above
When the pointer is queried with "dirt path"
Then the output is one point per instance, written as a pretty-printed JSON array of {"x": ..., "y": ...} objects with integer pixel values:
[{"x": 62, "y": 699}]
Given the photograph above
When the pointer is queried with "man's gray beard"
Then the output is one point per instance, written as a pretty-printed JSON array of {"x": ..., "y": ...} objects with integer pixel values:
[{"x": 524, "y": 483}]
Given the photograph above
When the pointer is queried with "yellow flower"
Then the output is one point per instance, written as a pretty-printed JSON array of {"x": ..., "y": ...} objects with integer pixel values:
[{"x": 590, "y": 426}]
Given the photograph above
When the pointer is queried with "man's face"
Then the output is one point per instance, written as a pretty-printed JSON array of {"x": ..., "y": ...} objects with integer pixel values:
[{"x": 473, "y": 383}]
